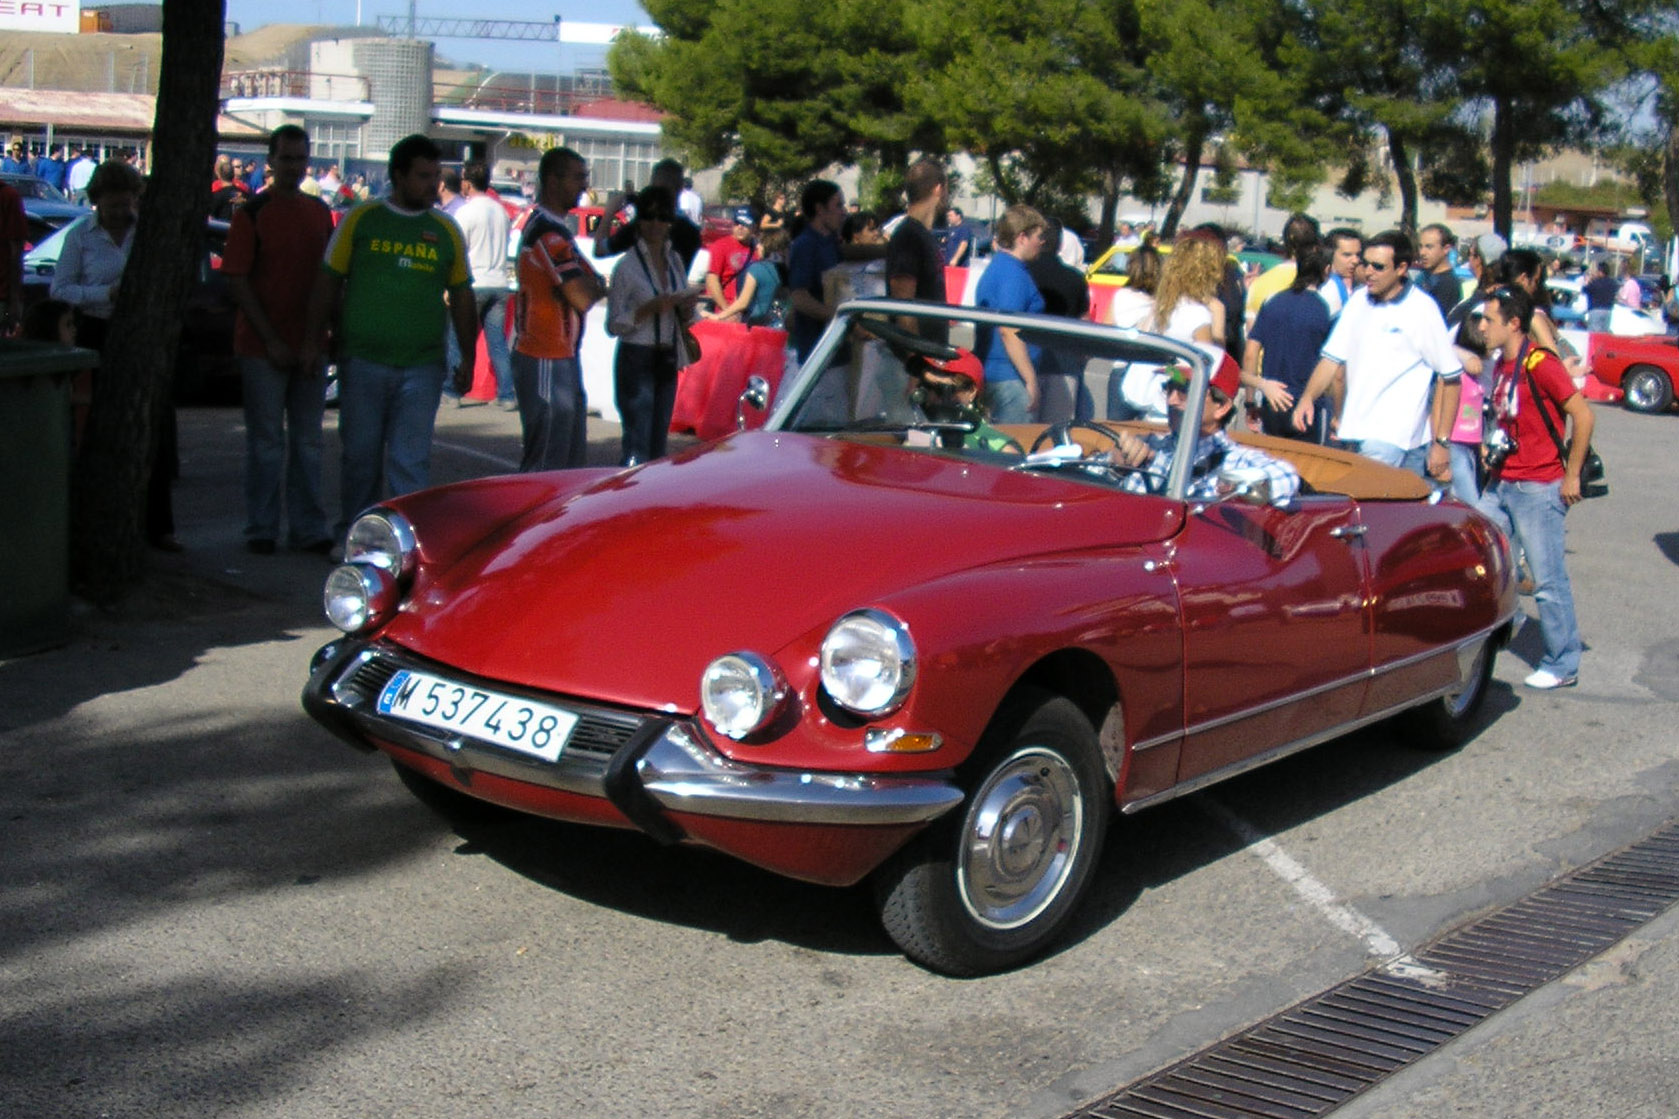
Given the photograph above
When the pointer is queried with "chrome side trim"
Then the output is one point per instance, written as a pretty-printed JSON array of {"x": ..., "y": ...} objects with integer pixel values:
[
  {"x": 1462, "y": 652},
  {"x": 1352, "y": 678},
  {"x": 685, "y": 775}
]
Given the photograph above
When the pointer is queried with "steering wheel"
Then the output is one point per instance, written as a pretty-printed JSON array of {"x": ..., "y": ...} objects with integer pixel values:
[{"x": 1056, "y": 435}]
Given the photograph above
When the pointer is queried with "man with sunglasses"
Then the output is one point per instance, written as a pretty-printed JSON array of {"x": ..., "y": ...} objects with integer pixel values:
[
  {"x": 1402, "y": 375},
  {"x": 1215, "y": 451}
]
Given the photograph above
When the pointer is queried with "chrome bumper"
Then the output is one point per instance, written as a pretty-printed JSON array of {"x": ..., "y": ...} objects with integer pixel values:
[{"x": 639, "y": 759}]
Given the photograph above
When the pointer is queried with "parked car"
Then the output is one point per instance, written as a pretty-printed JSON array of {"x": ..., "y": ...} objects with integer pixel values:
[
  {"x": 204, "y": 365},
  {"x": 1644, "y": 368},
  {"x": 860, "y": 644},
  {"x": 1568, "y": 305},
  {"x": 45, "y": 208}
]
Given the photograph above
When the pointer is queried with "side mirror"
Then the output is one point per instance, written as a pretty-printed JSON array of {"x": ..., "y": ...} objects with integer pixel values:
[
  {"x": 1249, "y": 485},
  {"x": 756, "y": 396}
]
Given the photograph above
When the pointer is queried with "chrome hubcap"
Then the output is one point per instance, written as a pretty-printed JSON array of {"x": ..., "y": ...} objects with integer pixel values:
[
  {"x": 1468, "y": 679},
  {"x": 1019, "y": 840},
  {"x": 1641, "y": 389}
]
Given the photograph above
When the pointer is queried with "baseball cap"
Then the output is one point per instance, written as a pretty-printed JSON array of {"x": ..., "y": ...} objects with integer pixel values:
[
  {"x": 964, "y": 364},
  {"x": 1226, "y": 378},
  {"x": 1490, "y": 247},
  {"x": 745, "y": 216}
]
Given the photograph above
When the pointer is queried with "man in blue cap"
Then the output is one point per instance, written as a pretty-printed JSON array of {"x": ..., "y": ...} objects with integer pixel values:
[{"x": 729, "y": 259}]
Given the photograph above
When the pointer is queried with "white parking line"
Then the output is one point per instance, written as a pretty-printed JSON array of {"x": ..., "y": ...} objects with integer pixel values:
[
  {"x": 1344, "y": 917},
  {"x": 472, "y": 452}
]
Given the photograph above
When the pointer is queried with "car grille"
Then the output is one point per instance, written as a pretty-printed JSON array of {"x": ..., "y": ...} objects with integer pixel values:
[{"x": 599, "y": 732}]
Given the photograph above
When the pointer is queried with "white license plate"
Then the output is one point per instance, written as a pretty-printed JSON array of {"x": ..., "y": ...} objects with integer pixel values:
[{"x": 518, "y": 724}]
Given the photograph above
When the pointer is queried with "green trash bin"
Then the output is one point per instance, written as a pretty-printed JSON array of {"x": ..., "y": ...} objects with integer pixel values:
[{"x": 35, "y": 492}]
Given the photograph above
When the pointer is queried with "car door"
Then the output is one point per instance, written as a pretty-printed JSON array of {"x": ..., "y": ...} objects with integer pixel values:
[{"x": 1276, "y": 627}]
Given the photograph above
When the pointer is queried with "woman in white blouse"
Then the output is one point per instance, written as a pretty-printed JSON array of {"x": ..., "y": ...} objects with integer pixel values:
[
  {"x": 648, "y": 301},
  {"x": 95, "y": 250}
]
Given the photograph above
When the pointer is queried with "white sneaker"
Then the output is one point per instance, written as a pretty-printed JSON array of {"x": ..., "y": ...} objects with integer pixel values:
[{"x": 1544, "y": 680}]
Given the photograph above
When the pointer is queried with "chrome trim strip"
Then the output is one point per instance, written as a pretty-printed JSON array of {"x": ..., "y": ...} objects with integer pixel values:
[
  {"x": 685, "y": 775},
  {"x": 1363, "y": 675},
  {"x": 1235, "y": 769}
]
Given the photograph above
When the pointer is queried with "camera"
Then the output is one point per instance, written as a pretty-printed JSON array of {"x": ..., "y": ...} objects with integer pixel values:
[{"x": 1496, "y": 446}]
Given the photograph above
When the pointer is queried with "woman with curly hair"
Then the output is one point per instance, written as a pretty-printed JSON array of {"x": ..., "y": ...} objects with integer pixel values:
[{"x": 1186, "y": 305}]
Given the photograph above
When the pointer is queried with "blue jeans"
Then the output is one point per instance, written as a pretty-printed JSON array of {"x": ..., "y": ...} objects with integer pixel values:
[
  {"x": 1006, "y": 401},
  {"x": 553, "y": 414},
  {"x": 644, "y": 388},
  {"x": 492, "y": 322},
  {"x": 1466, "y": 458},
  {"x": 283, "y": 452},
  {"x": 385, "y": 418},
  {"x": 1415, "y": 460},
  {"x": 1533, "y": 512}
]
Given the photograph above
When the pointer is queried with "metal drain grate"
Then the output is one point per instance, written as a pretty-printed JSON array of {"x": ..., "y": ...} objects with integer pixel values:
[{"x": 1315, "y": 1056}]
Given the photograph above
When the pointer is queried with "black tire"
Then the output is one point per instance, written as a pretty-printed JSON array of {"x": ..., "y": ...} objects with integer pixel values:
[
  {"x": 1647, "y": 389},
  {"x": 451, "y": 804},
  {"x": 958, "y": 901},
  {"x": 1444, "y": 723}
]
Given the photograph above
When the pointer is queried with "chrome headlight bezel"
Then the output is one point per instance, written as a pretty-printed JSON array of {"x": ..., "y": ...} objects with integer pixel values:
[
  {"x": 742, "y": 693},
  {"x": 868, "y": 663},
  {"x": 359, "y": 597},
  {"x": 383, "y": 539}
]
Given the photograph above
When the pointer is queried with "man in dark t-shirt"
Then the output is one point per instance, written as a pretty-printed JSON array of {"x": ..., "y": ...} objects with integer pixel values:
[{"x": 914, "y": 262}]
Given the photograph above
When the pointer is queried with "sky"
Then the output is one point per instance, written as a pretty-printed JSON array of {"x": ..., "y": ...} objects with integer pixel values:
[{"x": 499, "y": 54}]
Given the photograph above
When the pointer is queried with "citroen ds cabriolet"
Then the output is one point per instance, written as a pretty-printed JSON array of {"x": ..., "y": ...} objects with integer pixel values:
[{"x": 881, "y": 638}]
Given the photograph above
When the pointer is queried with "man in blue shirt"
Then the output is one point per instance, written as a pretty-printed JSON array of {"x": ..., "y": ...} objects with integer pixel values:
[
  {"x": 50, "y": 167},
  {"x": 1011, "y": 379},
  {"x": 815, "y": 250}
]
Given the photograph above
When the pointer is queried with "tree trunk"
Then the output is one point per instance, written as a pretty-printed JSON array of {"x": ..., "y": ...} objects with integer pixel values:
[
  {"x": 1503, "y": 160},
  {"x": 1407, "y": 176},
  {"x": 109, "y": 486},
  {"x": 1110, "y": 208},
  {"x": 1195, "y": 143}
]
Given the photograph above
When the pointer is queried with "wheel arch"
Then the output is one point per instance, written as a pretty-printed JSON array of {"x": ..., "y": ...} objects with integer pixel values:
[{"x": 1085, "y": 679}]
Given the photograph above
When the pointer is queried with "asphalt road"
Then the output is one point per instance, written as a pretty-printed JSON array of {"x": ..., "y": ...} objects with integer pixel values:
[{"x": 208, "y": 906}]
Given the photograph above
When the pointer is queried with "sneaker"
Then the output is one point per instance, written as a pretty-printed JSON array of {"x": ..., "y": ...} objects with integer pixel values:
[
  {"x": 507, "y": 404},
  {"x": 469, "y": 402},
  {"x": 260, "y": 546},
  {"x": 1544, "y": 680}
]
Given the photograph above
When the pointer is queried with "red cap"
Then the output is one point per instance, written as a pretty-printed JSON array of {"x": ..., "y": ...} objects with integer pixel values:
[
  {"x": 964, "y": 364},
  {"x": 1226, "y": 376}
]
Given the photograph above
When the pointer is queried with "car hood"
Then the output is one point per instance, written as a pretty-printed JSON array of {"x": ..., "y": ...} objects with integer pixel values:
[{"x": 625, "y": 590}]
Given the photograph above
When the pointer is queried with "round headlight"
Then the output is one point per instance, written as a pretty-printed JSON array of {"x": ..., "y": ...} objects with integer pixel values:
[
  {"x": 385, "y": 540},
  {"x": 741, "y": 693},
  {"x": 359, "y": 597},
  {"x": 868, "y": 662}
]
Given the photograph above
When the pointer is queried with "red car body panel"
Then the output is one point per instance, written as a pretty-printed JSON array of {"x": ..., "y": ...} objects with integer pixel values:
[{"x": 1611, "y": 355}]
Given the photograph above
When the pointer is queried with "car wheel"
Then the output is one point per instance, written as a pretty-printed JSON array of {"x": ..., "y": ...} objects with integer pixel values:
[
  {"x": 991, "y": 885},
  {"x": 451, "y": 804},
  {"x": 1647, "y": 389},
  {"x": 1444, "y": 723}
]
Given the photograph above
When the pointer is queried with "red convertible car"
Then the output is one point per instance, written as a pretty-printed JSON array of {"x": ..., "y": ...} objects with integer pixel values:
[
  {"x": 882, "y": 639},
  {"x": 1644, "y": 367}
]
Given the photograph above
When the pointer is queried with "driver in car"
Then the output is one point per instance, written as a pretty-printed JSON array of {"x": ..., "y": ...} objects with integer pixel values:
[{"x": 1151, "y": 456}]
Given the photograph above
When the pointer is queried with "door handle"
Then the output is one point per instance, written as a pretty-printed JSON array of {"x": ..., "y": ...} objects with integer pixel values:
[{"x": 1348, "y": 532}]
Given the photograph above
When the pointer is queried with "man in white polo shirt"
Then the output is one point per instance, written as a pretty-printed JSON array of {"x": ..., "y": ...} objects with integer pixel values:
[{"x": 1393, "y": 345}]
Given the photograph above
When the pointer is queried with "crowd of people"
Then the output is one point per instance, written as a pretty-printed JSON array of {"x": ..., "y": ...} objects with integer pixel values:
[{"x": 1373, "y": 343}]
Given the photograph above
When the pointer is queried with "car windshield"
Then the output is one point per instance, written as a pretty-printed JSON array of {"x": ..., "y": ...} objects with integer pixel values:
[
  {"x": 30, "y": 187},
  {"x": 904, "y": 374}
]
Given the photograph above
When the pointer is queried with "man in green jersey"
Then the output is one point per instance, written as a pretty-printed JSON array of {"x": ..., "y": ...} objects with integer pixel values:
[{"x": 396, "y": 273}]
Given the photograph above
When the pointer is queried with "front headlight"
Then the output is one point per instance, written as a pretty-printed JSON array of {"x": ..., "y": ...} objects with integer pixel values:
[
  {"x": 741, "y": 693},
  {"x": 384, "y": 539},
  {"x": 360, "y": 597},
  {"x": 868, "y": 662}
]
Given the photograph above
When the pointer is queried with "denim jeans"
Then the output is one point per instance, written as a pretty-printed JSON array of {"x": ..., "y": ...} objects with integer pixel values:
[
  {"x": 553, "y": 413},
  {"x": 283, "y": 452},
  {"x": 1006, "y": 401},
  {"x": 1466, "y": 460},
  {"x": 644, "y": 388},
  {"x": 385, "y": 418},
  {"x": 1415, "y": 460},
  {"x": 492, "y": 321},
  {"x": 1533, "y": 512}
]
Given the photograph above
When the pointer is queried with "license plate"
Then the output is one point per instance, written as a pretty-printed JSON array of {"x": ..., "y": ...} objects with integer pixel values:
[{"x": 518, "y": 724}]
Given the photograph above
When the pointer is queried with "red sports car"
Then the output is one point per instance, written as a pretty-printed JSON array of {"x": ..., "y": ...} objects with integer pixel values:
[
  {"x": 884, "y": 639},
  {"x": 1645, "y": 367}
]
